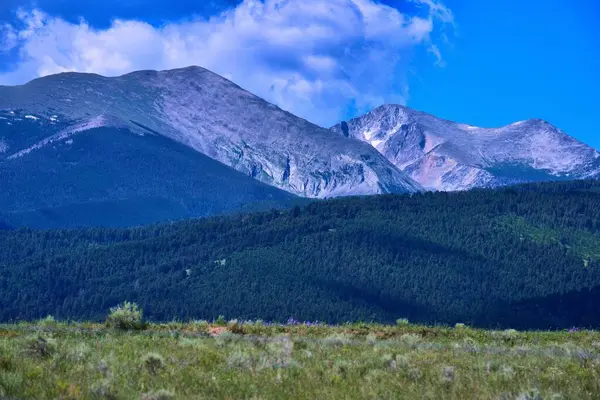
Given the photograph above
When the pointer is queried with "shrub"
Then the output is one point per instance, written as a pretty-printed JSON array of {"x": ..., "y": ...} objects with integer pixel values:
[
  {"x": 243, "y": 359},
  {"x": 200, "y": 326},
  {"x": 402, "y": 322},
  {"x": 460, "y": 325},
  {"x": 400, "y": 361},
  {"x": 125, "y": 316},
  {"x": 48, "y": 321},
  {"x": 6, "y": 357},
  {"x": 77, "y": 353},
  {"x": 338, "y": 339},
  {"x": 236, "y": 327},
  {"x": 40, "y": 346},
  {"x": 371, "y": 338},
  {"x": 103, "y": 390},
  {"x": 411, "y": 339},
  {"x": 510, "y": 334},
  {"x": 448, "y": 374},
  {"x": 153, "y": 362}
]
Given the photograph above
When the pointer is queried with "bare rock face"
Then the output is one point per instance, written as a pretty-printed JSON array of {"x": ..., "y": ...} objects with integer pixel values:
[
  {"x": 219, "y": 119},
  {"x": 445, "y": 155}
]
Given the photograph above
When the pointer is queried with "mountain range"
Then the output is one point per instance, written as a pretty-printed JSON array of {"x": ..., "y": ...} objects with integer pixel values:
[
  {"x": 445, "y": 155},
  {"x": 82, "y": 149}
]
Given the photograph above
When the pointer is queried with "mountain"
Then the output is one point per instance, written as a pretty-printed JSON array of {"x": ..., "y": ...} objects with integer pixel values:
[
  {"x": 445, "y": 155},
  {"x": 103, "y": 171},
  {"x": 209, "y": 114},
  {"x": 520, "y": 257}
]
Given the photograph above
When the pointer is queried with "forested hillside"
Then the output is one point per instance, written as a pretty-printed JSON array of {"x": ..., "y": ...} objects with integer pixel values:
[
  {"x": 62, "y": 175},
  {"x": 523, "y": 257}
]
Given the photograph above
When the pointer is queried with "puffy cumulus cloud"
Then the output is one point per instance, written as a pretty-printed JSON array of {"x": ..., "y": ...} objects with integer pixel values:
[{"x": 320, "y": 59}]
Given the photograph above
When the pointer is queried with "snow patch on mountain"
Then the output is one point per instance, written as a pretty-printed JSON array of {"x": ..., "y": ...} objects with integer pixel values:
[
  {"x": 3, "y": 146},
  {"x": 96, "y": 122}
]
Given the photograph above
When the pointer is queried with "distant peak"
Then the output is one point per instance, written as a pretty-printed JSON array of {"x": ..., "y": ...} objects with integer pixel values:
[
  {"x": 533, "y": 123},
  {"x": 538, "y": 121},
  {"x": 391, "y": 107}
]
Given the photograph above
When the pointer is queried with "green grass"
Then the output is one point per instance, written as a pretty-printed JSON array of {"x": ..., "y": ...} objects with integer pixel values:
[{"x": 198, "y": 360}]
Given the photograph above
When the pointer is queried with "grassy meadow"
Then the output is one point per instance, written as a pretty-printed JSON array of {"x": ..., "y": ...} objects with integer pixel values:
[{"x": 256, "y": 360}]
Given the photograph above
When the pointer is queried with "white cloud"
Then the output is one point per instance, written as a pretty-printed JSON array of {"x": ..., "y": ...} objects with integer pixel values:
[
  {"x": 317, "y": 58},
  {"x": 8, "y": 38}
]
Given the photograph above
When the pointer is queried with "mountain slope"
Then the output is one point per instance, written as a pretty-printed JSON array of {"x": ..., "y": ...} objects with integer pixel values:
[
  {"x": 212, "y": 115},
  {"x": 102, "y": 172},
  {"x": 444, "y": 155},
  {"x": 489, "y": 257}
]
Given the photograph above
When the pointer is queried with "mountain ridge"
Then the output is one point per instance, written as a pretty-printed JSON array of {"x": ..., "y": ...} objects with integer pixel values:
[
  {"x": 445, "y": 155},
  {"x": 220, "y": 119}
]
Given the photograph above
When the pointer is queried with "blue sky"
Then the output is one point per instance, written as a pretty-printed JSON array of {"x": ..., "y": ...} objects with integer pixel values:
[{"x": 486, "y": 63}]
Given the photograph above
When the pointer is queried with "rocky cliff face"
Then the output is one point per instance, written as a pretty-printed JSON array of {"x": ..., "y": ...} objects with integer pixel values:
[
  {"x": 219, "y": 119},
  {"x": 445, "y": 155}
]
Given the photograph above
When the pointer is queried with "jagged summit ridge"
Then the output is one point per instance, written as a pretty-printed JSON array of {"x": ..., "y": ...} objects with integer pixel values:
[
  {"x": 218, "y": 118},
  {"x": 445, "y": 155}
]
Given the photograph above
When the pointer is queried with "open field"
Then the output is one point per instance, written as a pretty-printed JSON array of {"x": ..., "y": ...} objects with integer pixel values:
[{"x": 254, "y": 360}]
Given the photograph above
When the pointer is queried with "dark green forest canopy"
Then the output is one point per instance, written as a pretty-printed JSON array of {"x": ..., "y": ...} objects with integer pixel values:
[{"x": 522, "y": 257}]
